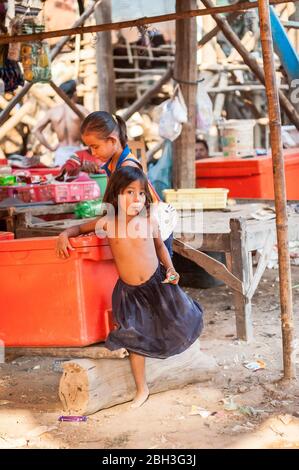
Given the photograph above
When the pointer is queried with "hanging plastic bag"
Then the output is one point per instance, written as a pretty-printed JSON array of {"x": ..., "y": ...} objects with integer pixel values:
[
  {"x": 204, "y": 109},
  {"x": 160, "y": 173},
  {"x": 174, "y": 114},
  {"x": 160, "y": 176},
  {"x": 167, "y": 217}
]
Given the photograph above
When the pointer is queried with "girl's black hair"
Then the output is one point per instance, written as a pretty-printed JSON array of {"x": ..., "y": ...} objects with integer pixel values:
[
  {"x": 103, "y": 123},
  {"x": 120, "y": 179}
]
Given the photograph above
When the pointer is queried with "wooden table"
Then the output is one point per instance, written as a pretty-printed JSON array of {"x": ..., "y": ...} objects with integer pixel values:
[
  {"x": 237, "y": 234},
  {"x": 22, "y": 216},
  {"x": 232, "y": 231}
]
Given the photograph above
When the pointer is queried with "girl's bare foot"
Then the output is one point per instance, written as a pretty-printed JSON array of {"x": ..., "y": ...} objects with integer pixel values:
[{"x": 140, "y": 398}]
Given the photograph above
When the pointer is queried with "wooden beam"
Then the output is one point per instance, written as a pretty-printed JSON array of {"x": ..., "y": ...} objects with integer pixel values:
[
  {"x": 67, "y": 100},
  {"x": 252, "y": 62},
  {"x": 185, "y": 73},
  {"x": 243, "y": 87},
  {"x": 104, "y": 60},
  {"x": 6, "y": 39},
  {"x": 285, "y": 281},
  {"x": 28, "y": 120},
  {"x": 208, "y": 36},
  {"x": 220, "y": 98},
  {"x": 5, "y": 114},
  {"x": 291, "y": 24},
  {"x": 212, "y": 266}
]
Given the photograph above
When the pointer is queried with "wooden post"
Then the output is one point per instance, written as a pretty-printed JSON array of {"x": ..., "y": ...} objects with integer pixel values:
[
  {"x": 104, "y": 59},
  {"x": 285, "y": 283},
  {"x": 251, "y": 62},
  {"x": 240, "y": 269},
  {"x": 185, "y": 71}
]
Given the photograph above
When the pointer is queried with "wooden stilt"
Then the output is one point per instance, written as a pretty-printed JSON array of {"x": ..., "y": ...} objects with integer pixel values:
[
  {"x": 185, "y": 72},
  {"x": 285, "y": 284},
  {"x": 104, "y": 60}
]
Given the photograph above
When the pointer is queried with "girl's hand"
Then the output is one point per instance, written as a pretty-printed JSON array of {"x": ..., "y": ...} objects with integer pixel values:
[
  {"x": 63, "y": 245},
  {"x": 172, "y": 277}
]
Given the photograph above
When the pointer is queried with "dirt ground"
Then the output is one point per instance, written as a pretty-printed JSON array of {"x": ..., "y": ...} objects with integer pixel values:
[{"x": 247, "y": 409}]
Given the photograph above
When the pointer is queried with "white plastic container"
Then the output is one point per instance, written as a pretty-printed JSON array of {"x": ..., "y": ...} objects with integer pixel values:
[{"x": 237, "y": 138}]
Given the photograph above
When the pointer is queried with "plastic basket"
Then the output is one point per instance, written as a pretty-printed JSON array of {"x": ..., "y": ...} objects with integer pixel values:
[
  {"x": 59, "y": 193},
  {"x": 198, "y": 198},
  {"x": 75, "y": 192}
]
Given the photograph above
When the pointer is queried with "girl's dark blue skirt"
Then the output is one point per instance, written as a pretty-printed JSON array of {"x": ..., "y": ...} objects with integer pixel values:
[{"x": 154, "y": 319}]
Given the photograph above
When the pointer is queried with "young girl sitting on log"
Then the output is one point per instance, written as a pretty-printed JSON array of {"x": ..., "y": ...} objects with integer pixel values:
[{"x": 154, "y": 316}]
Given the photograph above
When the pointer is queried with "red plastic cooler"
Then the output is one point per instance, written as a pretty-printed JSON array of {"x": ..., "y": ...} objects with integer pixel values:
[
  {"x": 48, "y": 301},
  {"x": 248, "y": 177}
]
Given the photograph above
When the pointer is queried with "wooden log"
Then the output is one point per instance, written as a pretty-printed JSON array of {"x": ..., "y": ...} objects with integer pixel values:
[
  {"x": 88, "y": 386},
  {"x": 91, "y": 352}
]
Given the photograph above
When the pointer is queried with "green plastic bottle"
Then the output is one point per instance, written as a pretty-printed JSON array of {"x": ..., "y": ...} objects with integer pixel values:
[
  {"x": 87, "y": 209},
  {"x": 8, "y": 180}
]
